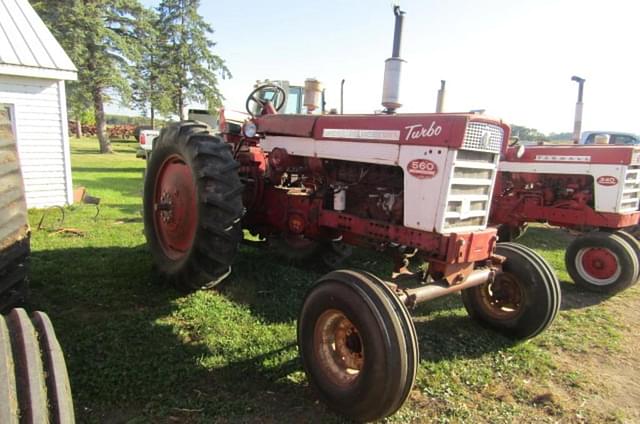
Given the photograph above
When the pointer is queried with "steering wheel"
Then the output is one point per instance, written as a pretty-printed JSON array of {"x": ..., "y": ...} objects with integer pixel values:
[{"x": 279, "y": 95}]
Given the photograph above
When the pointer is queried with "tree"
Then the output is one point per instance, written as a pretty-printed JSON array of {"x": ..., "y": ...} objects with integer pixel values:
[
  {"x": 529, "y": 134},
  {"x": 190, "y": 68},
  {"x": 149, "y": 87},
  {"x": 62, "y": 16},
  {"x": 104, "y": 45}
]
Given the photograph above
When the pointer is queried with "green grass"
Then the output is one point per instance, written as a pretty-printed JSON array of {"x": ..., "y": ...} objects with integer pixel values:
[{"x": 139, "y": 351}]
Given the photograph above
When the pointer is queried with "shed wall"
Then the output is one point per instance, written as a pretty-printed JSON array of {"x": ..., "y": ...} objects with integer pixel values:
[{"x": 43, "y": 143}]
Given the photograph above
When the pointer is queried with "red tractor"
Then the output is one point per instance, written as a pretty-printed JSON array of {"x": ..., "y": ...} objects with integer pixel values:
[
  {"x": 416, "y": 185},
  {"x": 592, "y": 189}
]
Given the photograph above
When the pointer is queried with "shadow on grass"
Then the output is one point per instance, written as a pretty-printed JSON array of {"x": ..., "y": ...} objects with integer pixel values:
[
  {"x": 449, "y": 336},
  {"x": 138, "y": 351},
  {"x": 134, "y": 351},
  {"x": 574, "y": 297}
]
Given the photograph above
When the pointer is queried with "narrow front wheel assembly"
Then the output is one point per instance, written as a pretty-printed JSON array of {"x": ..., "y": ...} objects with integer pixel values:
[
  {"x": 522, "y": 300},
  {"x": 358, "y": 345}
]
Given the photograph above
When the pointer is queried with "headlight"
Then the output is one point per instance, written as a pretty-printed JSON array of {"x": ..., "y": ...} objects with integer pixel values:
[
  {"x": 250, "y": 129},
  {"x": 520, "y": 151}
]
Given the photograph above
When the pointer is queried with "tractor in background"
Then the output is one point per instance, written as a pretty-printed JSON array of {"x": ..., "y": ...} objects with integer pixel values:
[
  {"x": 415, "y": 186},
  {"x": 592, "y": 189}
]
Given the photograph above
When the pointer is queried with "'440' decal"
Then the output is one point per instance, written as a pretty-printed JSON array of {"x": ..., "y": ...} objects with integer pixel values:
[
  {"x": 607, "y": 180},
  {"x": 422, "y": 168}
]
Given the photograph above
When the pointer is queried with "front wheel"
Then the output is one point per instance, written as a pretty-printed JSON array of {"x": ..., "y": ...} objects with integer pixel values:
[
  {"x": 522, "y": 300},
  {"x": 602, "y": 262},
  {"x": 358, "y": 345}
]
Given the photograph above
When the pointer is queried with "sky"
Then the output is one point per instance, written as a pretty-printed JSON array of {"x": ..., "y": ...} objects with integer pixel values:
[{"x": 513, "y": 58}]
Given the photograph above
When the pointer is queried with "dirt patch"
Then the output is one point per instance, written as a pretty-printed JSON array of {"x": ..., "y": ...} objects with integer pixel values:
[{"x": 616, "y": 376}]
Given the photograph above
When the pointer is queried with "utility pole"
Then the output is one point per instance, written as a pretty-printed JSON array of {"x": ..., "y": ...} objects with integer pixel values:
[{"x": 577, "y": 123}]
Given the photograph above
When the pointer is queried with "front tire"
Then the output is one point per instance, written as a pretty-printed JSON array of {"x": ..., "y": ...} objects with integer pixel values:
[
  {"x": 602, "y": 262},
  {"x": 358, "y": 345},
  {"x": 522, "y": 300},
  {"x": 192, "y": 206}
]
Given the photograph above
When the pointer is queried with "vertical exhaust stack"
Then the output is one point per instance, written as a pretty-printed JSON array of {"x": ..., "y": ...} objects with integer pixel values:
[
  {"x": 393, "y": 68},
  {"x": 440, "y": 101},
  {"x": 577, "y": 122}
]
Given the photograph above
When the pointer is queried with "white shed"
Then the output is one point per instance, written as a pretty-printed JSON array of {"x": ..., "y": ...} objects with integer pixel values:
[{"x": 33, "y": 69}]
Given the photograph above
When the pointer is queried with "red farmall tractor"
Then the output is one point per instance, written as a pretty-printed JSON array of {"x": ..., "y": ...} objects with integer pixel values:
[
  {"x": 593, "y": 189},
  {"x": 416, "y": 185}
]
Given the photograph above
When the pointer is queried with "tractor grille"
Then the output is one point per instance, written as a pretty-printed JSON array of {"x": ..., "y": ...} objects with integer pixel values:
[
  {"x": 483, "y": 137},
  {"x": 631, "y": 190},
  {"x": 471, "y": 184}
]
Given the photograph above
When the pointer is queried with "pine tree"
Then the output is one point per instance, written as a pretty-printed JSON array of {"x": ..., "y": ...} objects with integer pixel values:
[
  {"x": 188, "y": 64},
  {"x": 62, "y": 17},
  {"x": 149, "y": 87},
  {"x": 103, "y": 39}
]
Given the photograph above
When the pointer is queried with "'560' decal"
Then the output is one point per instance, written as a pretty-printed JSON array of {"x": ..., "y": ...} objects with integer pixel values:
[{"x": 422, "y": 168}]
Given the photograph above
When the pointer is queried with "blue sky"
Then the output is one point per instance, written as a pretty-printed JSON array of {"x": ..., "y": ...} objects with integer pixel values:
[{"x": 513, "y": 58}]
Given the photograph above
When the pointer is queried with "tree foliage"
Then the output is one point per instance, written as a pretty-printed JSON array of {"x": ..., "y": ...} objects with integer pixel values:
[
  {"x": 151, "y": 60},
  {"x": 190, "y": 68},
  {"x": 150, "y": 94},
  {"x": 528, "y": 134},
  {"x": 102, "y": 38}
]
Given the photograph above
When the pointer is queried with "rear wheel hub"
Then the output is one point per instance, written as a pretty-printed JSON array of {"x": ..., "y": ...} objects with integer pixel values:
[{"x": 175, "y": 207}]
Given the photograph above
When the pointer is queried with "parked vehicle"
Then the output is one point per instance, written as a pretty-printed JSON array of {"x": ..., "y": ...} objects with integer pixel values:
[
  {"x": 417, "y": 186},
  {"x": 593, "y": 189},
  {"x": 612, "y": 137},
  {"x": 145, "y": 139}
]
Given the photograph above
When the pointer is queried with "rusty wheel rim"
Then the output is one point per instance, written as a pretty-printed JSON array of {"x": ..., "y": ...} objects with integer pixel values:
[
  {"x": 175, "y": 207},
  {"x": 504, "y": 298},
  {"x": 338, "y": 347}
]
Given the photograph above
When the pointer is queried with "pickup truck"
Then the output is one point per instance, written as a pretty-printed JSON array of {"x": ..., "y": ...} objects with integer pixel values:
[
  {"x": 615, "y": 137},
  {"x": 145, "y": 142}
]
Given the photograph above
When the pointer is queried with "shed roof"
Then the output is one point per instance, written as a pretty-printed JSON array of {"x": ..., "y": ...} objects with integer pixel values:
[{"x": 27, "y": 47}]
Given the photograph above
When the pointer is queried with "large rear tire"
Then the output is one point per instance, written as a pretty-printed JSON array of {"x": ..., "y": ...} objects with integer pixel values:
[
  {"x": 358, "y": 345},
  {"x": 602, "y": 262},
  {"x": 522, "y": 300},
  {"x": 192, "y": 206},
  {"x": 14, "y": 269},
  {"x": 34, "y": 385}
]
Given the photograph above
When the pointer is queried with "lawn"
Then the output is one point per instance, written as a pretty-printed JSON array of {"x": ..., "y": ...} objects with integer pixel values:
[{"x": 139, "y": 351}]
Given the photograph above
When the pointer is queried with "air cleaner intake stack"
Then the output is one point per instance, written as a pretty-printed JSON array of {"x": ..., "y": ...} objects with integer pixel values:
[{"x": 393, "y": 68}]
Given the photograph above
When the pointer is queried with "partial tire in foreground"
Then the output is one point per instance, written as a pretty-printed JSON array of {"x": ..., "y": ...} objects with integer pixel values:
[
  {"x": 602, "y": 262},
  {"x": 192, "y": 206},
  {"x": 522, "y": 301},
  {"x": 358, "y": 345},
  {"x": 34, "y": 385},
  {"x": 14, "y": 269}
]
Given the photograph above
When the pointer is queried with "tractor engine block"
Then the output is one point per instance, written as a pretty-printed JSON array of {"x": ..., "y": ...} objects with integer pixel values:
[{"x": 572, "y": 191}]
